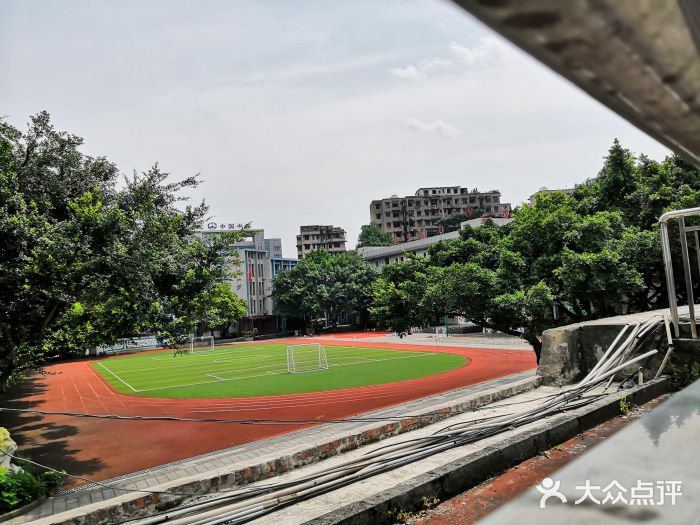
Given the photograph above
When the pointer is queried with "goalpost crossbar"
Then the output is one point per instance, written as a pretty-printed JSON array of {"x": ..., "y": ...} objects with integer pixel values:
[
  {"x": 200, "y": 345},
  {"x": 309, "y": 357}
]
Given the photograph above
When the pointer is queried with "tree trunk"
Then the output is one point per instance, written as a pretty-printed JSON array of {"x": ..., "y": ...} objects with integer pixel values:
[
  {"x": 528, "y": 336},
  {"x": 536, "y": 345}
]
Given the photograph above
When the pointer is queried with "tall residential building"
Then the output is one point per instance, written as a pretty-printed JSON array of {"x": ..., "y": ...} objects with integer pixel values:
[
  {"x": 416, "y": 216},
  {"x": 259, "y": 260},
  {"x": 317, "y": 237}
]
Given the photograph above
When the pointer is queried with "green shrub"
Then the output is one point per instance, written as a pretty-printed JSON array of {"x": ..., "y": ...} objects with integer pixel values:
[
  {"x": 18, "y": 488},
  {"x": 625, "y": 406},
  {"x": 684, "y": 374},
  {"x": 52, "y": 480}
]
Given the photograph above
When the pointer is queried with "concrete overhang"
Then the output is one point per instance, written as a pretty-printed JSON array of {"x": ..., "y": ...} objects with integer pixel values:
[{"x": 639, "y": 58}]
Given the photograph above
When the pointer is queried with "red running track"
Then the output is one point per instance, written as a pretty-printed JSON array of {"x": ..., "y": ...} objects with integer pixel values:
[{"x": 102, "y": 449}]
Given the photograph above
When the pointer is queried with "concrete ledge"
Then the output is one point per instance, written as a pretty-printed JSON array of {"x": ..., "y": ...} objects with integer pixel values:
[
  {"x": 516, "y": 446},
  {"x": 569, "y": 352},
  {"x": 134, "y": 505}
]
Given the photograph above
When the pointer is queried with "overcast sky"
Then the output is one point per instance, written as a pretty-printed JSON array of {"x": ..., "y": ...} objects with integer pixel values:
[{"x": 302, "y": 112}]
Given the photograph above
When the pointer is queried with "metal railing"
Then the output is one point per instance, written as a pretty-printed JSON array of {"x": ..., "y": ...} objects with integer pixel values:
[{"x": 684, "y": 230}]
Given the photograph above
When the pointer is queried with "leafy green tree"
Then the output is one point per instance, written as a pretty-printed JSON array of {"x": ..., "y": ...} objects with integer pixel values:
[
  {"x": 640, "y": 190},
  {"x": 566, "y": 259},
  {"x": 325, "y": 285},
  {"x": 372, "y": 235},
  {"x": 451, "y": 223},
  {"x": 398, "y": 295},
  {"x": 85, "y": 263}
]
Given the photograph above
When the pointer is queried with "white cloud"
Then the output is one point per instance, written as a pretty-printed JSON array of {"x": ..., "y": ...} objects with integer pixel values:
[
  {"x": 420, "y": 70},
  {"x": 444, "y": 129},
  {"x": 487, "y": 51},
  {"x": 272, "y": 122}
]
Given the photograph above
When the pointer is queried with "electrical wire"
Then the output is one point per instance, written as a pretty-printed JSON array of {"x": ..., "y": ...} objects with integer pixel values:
[{"x": 354, "y": 419}]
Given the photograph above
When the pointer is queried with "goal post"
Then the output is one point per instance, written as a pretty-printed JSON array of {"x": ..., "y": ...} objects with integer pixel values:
[
  {"x": 309, "y": 357},
  {"x": 200, "y": 345}
]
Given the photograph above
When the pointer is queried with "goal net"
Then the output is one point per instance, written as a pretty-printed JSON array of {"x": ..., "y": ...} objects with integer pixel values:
[
  {"x": 200, "y": 345},
  {"x": 308, "y": 357}
]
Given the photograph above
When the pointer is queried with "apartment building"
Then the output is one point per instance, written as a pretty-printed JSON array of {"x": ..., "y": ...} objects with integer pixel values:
[
  {"x": 258, "y": 261},
  {"x": 320, "y": 237},
  {"x": 416, "y": 216}
]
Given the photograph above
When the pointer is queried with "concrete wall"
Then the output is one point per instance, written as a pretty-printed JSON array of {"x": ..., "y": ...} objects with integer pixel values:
[{"x": 569, "y": 352}]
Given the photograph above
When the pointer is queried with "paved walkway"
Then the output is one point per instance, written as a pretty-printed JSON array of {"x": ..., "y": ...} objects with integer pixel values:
[{"x": 240, "y": 457}]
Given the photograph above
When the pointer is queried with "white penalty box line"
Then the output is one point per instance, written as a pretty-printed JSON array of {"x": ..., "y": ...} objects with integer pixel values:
[{"x": 119, "y": 378}]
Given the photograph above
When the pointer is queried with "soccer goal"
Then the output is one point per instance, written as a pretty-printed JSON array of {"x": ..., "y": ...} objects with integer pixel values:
[
  {"x": 200, "y": 345},
  {"x": 309, "y": 357}
]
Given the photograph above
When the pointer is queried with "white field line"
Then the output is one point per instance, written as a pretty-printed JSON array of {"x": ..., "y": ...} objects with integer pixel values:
[
  {"x": 216, "y": 377},
  {"x": 284, "y": 371},
  {"x": 118, "y": 378},
  {"x": 367, "y": 360},
  {"x": 239, "y": 358},
  {"x": 180, "y": 364}
]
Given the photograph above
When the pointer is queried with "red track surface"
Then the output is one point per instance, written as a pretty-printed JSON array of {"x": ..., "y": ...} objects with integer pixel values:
[
  {"x": 102, "y": 449},
  {"x": 352, "y": 335}
]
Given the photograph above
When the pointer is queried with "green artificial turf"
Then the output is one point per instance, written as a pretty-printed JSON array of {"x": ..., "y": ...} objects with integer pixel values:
[{"x": 261, "y": 369}]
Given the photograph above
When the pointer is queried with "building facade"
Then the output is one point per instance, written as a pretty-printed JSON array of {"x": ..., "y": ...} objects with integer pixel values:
[
  {"x": 255, "y": 261},
  {"x": 320, "y": 237},
  {"x": 416, "y": 216}
]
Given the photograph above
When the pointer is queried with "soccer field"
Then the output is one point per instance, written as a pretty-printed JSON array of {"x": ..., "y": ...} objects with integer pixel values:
[{"x": 245, "y": 370}]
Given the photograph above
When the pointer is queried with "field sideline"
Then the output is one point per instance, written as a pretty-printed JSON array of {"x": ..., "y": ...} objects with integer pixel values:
[{"x": 250, "y": 370}]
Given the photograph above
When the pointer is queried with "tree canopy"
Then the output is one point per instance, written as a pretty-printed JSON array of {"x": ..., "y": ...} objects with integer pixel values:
[
  {"x": 85, "y": 262},
  {"x": 566, "y": 259},
  {"x": 325, "y": 285},
  {"x": 372, "y": 235}
]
